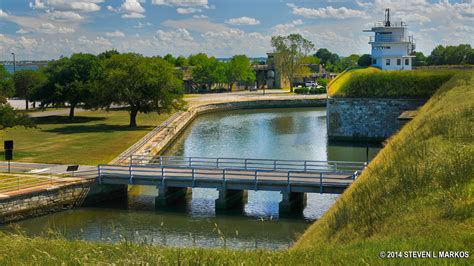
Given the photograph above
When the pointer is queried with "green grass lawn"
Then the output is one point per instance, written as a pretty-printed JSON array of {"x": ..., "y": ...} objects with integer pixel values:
[{"x": 92, "y": 137}]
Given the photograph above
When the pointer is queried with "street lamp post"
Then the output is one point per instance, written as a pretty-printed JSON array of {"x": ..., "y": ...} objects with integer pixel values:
[{"x": 14, "y": 63}]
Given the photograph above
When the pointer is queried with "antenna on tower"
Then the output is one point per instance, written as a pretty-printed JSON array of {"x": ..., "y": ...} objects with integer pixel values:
[{"x": 387, "y": 17}]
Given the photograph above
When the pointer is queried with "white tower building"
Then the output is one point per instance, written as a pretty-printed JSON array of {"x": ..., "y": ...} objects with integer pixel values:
[{"x": 391, "y": 47}]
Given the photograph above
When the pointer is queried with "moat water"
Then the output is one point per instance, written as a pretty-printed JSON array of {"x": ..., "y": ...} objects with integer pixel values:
[{"x": 297, "y": 133}]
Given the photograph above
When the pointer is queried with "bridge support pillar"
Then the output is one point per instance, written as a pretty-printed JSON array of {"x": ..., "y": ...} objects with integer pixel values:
[
  {"x": 170, "y": 195},
  {"x": 292, "y": 201},
  {"x": 229, "y": 198}
]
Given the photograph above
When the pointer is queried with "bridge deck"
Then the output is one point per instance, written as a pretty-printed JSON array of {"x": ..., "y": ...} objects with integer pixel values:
[{"x": 274, "y": 179}]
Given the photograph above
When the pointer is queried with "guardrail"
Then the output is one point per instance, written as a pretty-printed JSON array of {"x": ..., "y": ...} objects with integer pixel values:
[
  {"x": 247, "y": 163},
  {"x": 139, "y": 144},
  {"x": 152, "y": 175}
]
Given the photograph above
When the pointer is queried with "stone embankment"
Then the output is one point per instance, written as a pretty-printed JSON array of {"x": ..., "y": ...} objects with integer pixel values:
[
  {"x": 44, "y": 199},
  {"x": 366, "y": 119}
]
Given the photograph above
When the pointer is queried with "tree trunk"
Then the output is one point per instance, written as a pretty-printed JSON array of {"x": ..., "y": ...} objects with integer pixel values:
[
  {"x": 133, "y": 117},
  {"x": 34, "y": 104},
  {"x": 71, "y": 110},
  {"x": 291, "y": 86},
  {"x": 27, "y": 104}
]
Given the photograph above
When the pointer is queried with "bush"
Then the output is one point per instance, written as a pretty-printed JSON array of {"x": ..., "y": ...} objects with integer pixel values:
[
  {"x": 393, "y": 84},
  {"x": 317, "y": 90},
  {"x": 299, "y": 90}
]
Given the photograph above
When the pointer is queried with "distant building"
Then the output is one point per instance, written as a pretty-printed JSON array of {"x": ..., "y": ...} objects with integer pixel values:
[
  {"x": 391, "y": 47},
  {"x": 268, "y": 76}
]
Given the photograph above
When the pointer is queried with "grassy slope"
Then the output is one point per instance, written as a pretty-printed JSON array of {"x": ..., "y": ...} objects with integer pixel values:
[
  {"x": 418, "y": 194},
  {"x": 92, "y": 137},
  {"x": 341, "y": 79}
]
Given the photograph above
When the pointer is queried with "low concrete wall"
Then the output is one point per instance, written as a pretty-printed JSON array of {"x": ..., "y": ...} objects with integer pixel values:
[
  {"x": 364, "y": 119},
  {"x": 42, "y": 201}
]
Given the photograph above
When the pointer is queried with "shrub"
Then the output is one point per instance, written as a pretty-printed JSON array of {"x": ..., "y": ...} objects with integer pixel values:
[
  {"x": 303, "y": 90},
  {"x": 317, "y": 90}
]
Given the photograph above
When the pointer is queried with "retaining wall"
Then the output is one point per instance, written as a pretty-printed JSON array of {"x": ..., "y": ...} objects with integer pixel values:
[
  {"x": 42, "y": 201},
  {"x": 364, "y": 119}
]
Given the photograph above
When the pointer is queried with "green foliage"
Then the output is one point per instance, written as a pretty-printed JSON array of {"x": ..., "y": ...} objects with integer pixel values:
[
  {"x": 239, "y": 70},
  {"x": 420, "y": 59},
  {"x": 142, "y": 84},
  {"x": 336, "y": 83},
  {"x": 327, "y": 57},
  {"x": 181, "y": 61},
  {"x": 308, "y": 90},
  {"x": 290, "y": 54},
  {"x": 365, "y": 60},
  {"x": 6, "y": 86},
  {"x": 11, "y": 118},
  {"x": 27, "y": 83},
  {"x": 393, "y": 84},
  {"x": 451, "y": 55},
  {"x": 323, "y": 81},
  {"x": 70, "y": 80}
]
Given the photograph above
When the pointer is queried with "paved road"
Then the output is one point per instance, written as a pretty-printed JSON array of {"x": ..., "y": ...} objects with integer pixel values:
[{"x": 42, "y": 168}]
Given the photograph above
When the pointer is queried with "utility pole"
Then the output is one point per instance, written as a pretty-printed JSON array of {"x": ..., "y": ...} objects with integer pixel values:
[{"x": 14, "y": 63}]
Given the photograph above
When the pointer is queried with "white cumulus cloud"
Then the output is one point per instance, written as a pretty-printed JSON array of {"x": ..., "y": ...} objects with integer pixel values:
[
  {"x": 243, "y": 21},
  {"x": 64, "y": 5},
  {"x": 181, "y": 2},
  {"x": 327, "y": 12},
  {"x": 116, "y": 34},
  {"x": 188, "y": 10},
  {"x": 3, "y": 14}
]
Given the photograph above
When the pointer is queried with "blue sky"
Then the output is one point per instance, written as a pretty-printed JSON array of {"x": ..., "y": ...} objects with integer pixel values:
[{"x": 46, "y": 29}]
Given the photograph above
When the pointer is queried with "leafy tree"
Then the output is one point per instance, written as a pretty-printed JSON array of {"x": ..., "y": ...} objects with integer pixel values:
[
  {"x": 326, "y": 56},
  {"x": 420, "y": 59},
  {"x": 6, "y": 87},
  {"x": 8, "y": 116},
  {"x": 365, "y": 60},
  {"x": 170, "y": 59},
  {"x": 107, "y": 54},
  {"x": 346, "y": 62},
  {"x": 289, "y": 54},
  {"x": 181, "y": 61},
  {"x": 27, "y": 82},
  {"x": 239, "y": 69},
  {"x": 197, "y": 59},
  {"x": 11, "y": 118},
  {"x": 70, "y": 80},
  {"x": 142, "y": 84},
  {"x": 207, "y": 71}
]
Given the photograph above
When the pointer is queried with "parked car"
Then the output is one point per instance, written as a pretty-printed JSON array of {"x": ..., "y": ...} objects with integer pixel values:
[
  {"x": 253, "y": 89},
  {"x": 311, "y": 84}
]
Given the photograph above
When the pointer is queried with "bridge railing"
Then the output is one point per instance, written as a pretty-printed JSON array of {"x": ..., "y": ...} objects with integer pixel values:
[
  {"x": 160, "y": 175},
  {"x": 239, "y": 163}
]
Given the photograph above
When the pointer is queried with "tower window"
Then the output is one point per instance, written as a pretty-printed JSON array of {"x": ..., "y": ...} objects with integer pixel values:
[
  {"x": 407, "y": 62},
  {"x": 399, "y": 62},
  {"x": 387, "y": 62}
]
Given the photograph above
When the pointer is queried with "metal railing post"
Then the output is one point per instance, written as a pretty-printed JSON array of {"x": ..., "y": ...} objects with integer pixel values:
[
  {"x": 256, "y": 179},
  {"x": 289, "y": 185},
  {"x": 163, "y": 177},
  {"x": 130, "y": 175},
  {"x": 217, "y": 163},
  {"x": 99, "y": 174},
  {"x": 245, "y": 164},
  {"x": 320, "y": 183},
  {"x": 190, "y": 161},
  {"x": 223, "y": 178},
  {"x": 305, "y": 165},
  {"x": 193, "y": 176},
  {"x": 335, "y": 167},
  {"x": 161, "y": 161}
]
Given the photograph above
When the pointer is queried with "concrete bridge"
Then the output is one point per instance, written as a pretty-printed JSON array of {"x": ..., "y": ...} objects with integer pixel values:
[{"x": 232, "y": 177}]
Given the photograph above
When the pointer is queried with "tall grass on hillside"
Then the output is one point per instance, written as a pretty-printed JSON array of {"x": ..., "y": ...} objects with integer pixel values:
[
  {"x": 420, "y": 185},
  {"x": 393, "y": 84},
  {"x": 336, "y": 83}
]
